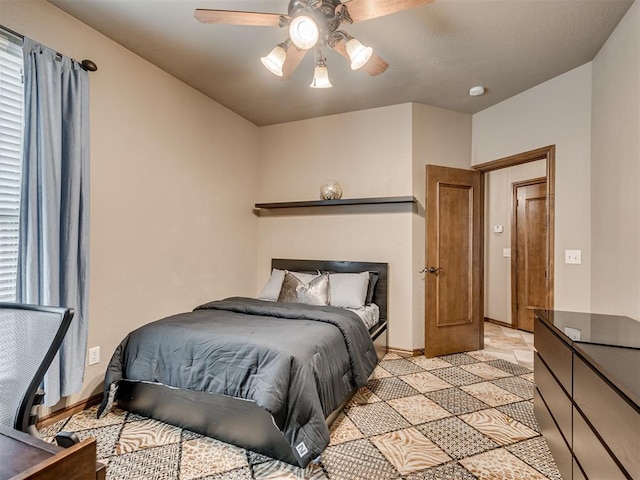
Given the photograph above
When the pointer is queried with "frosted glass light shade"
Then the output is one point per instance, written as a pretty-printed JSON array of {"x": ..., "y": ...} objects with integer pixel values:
[
  {"x": 304, "y": 32},
  {"x": 275, "y": 60},
  {"x": 321, "y": 78},
  {"x": 358, "y": 53}
]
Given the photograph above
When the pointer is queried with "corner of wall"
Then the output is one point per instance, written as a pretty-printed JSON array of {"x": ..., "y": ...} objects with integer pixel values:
[
  {"x": 438, "y": 137},
  {"x": 615, "y": 171}
]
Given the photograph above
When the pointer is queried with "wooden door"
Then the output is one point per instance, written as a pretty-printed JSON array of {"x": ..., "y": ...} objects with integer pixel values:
[
  {"x": 528, "y": 254},
  {"x": 453, "y": 290}
]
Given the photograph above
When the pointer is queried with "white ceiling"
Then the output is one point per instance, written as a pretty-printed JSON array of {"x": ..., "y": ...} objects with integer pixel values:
[{"x": 436, "y": 52}]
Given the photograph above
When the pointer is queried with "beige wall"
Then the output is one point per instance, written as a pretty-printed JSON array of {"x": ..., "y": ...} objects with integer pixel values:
[
  {"x": 498, "y": 207},
  {"x": 556, "y": 112},
  {"x": 173, "y": 176},
  {"x": 615, "y": 171},
  {"x": 592, "y": 114},
  {"x": 369, "y": 154}
]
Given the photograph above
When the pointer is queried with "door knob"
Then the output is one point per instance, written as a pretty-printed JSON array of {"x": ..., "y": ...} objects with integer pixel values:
[{"x": 430, "y": 270}]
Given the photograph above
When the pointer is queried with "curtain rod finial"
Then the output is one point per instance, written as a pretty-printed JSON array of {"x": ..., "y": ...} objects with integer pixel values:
[{"x": 89, "y": 65}]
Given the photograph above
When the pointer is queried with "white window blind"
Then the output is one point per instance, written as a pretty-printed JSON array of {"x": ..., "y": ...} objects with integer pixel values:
[{"x": 11, "y": 126}]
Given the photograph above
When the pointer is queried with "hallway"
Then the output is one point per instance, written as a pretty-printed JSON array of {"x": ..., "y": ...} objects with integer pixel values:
[{"x": 508, "y": 344}]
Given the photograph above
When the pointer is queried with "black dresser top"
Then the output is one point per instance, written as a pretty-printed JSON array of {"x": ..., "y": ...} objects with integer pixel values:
[{"x": 596, "y": 328}]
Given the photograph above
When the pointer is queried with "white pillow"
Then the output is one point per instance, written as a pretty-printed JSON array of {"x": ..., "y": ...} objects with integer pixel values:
[
  {"x": 272, "y": 288},
  {"x": 348, "y": 290}
]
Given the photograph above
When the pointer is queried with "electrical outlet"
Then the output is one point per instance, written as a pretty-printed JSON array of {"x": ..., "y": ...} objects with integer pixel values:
[
  {"x": 94, "y": 355},
  {"x": 506, "y": 252}
]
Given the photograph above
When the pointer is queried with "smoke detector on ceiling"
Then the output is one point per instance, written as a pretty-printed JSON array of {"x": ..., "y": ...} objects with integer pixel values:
[{"x": 476, "y": 91}]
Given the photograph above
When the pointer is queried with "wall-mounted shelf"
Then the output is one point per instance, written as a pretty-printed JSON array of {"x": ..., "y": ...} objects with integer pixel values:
[{"x": 343, "y": 201}]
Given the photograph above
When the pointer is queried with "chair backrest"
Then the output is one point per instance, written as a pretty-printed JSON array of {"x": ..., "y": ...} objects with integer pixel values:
[{"x": 30, "y": 336}]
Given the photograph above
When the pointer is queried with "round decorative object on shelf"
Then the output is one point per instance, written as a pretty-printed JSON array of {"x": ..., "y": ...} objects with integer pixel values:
[{"x": 330, "y": 190}]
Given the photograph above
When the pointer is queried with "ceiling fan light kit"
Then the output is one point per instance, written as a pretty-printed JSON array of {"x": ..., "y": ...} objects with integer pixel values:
[
  {"x": 304, "y": 32},
  {"x": 321, "y": 77},
  {"x": 320, "y": 73},
  {"x": 275, "y": 60},
  {"x": 358, "y": 53},
  {"x": 313, "y": 24}
]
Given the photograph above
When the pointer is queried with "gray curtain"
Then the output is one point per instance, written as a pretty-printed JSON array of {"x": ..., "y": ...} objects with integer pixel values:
[{"x": 53, "y": 255}]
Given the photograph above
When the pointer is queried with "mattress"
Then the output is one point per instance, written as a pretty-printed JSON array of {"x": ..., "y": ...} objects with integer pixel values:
[{"x": 369, "y": 314}]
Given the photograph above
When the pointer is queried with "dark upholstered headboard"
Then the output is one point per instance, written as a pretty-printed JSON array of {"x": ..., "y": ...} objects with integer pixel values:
[{"x": 380, "y": 294}]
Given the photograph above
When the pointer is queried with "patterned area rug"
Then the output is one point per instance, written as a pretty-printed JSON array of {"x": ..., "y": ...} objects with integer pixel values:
[{"x": 460, "y": 417}]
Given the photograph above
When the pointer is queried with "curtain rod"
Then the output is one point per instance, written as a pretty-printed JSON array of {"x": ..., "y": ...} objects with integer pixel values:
[{"x": 88, "y": 65}]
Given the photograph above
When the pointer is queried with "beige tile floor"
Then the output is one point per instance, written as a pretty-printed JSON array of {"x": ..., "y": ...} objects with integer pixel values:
[
  {"x": 513, "y": 345},
  {"x": 462, "y": 416}
]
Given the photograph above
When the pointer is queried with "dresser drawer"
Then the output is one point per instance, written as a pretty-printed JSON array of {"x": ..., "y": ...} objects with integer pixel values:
[
  {"x": 555, "y": 352},
  {"x": 557, "y": 445},
  {"x": 558, "y": 403},
  {"x": 591, "y": 454},
  {"x": 617, "y": 422}
]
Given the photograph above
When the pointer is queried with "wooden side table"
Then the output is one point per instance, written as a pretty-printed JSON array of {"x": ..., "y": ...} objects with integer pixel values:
[{"x": 25, "y": 457}]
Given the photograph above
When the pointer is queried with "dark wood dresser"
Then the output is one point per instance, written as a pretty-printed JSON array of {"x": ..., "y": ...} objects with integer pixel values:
[
  {"x": 587, "y": 398},
  {"x": 25, "y": 457}
]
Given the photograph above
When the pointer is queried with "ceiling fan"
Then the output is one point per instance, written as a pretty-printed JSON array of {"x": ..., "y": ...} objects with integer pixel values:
[{"x": 313, "y": 24}]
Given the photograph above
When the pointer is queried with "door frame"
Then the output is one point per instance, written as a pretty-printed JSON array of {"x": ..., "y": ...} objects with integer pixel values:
[{"x": 548, "y": 154}]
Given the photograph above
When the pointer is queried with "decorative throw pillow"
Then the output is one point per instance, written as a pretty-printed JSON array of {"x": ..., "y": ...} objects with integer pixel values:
[
  {"x": 348, "y": 290},
  {"x": 272, "y": 288},
  {"x": 294, "y": 290}
]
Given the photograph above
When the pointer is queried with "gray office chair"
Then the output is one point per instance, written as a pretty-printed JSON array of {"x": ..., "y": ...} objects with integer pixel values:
[{"x": 30, "y": 336}]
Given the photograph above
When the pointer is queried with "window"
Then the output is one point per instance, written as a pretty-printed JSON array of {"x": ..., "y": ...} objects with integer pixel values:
[{"x": 11, "y": 126}]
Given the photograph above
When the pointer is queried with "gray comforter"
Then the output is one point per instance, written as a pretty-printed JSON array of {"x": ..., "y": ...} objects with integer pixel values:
[{"x": 299, "y": 362}]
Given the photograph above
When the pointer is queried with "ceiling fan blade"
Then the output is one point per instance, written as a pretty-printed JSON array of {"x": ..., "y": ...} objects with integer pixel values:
[
  {"x": 375, "y": 66},
  {"x": 294, "y": 57},
  {"x": 361, "y": 10},
  {"x": 232, "y": 17}
]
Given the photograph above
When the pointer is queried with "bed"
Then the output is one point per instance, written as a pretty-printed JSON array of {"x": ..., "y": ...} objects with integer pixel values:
[{"x": 267, "y": 376}]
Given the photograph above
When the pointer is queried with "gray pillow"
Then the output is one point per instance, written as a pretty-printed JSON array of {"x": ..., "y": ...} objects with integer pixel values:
[
  {"x": 271, "y": 290},
  {"x": 373, "y": 279},
  {"x": 294, "y": 290}
]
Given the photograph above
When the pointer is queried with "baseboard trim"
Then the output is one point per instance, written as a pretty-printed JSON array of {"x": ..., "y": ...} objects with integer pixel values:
[
  {"x": 498, "y": 322},
  {"x": 416, "y": 352},
  {"x": 70, "y": 410}
]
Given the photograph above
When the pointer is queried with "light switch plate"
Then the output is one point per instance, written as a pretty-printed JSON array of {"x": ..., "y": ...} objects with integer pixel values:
[
  {"x": 506, "y": 252},
  {"x": 498, "y": 229},
  {"x": 573, "y": 256}
]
